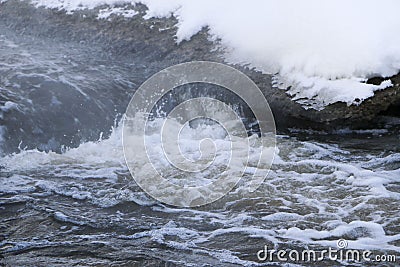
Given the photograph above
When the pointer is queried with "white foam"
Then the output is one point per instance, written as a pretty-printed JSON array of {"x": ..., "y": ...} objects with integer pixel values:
[
  {"x": 282, "y": 216},
  {"x": 373, "y": 237},
  {"x": 309, "y": 184},
  {"x": 16, "y": 184},
  {"x": 323, "y": 50},
  {"x": 104, "y": 159}
]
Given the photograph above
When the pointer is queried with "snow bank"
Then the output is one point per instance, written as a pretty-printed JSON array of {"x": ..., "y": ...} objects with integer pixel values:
[{"x": 323, "y": 49}]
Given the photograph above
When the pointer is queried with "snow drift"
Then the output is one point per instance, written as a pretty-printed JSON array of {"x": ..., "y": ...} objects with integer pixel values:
[{"x": 323, "y": 50}]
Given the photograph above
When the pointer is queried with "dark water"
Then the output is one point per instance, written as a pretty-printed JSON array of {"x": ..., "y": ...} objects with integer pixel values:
[{"x": 82, "y": 208}]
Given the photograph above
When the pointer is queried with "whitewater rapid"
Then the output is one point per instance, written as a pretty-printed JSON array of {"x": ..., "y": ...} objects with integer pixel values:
[{"x": 315, "y": 193}]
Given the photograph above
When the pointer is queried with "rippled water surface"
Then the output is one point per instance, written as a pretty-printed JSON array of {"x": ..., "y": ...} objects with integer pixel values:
[{"x": 82, "y": 207}]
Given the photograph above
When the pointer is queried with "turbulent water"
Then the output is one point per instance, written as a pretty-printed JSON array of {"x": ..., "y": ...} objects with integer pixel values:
[{"x": 81, "y": 207}]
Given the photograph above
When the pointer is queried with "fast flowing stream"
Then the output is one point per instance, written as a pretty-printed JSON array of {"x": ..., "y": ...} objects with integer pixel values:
[{"x": 79, "y": 206}]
